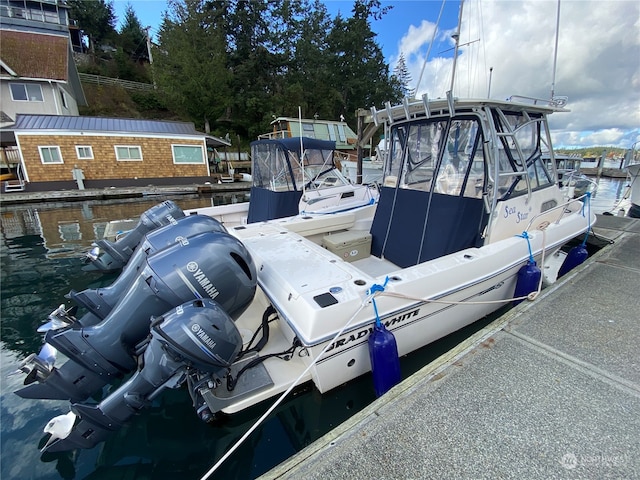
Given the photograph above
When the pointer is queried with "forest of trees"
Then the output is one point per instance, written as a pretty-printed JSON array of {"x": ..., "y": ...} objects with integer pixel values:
[{"x": 231, "y": 66}]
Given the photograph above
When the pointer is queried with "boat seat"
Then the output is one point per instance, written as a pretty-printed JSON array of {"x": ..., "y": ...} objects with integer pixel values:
[{"x": 454, "y": 223}]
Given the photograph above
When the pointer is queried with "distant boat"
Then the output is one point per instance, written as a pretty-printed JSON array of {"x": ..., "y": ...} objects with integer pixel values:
[
  {"x": 634, "y": 177},
  {"x": 570, "y": 177}
]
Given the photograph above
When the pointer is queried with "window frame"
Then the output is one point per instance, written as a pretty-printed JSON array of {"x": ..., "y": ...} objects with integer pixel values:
[
  {"x": 25, "y": 86},
  {"x": 41, "y": 148},
  {"x": 202, "y": 161},
  {"x": 80, "y": 157},
  {"x": 128, "y": 147}
]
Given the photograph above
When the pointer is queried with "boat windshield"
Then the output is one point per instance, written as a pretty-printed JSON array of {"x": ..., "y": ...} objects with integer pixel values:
[
  {"x": 278, "y": 168},
  {"x": 441, "y": 155},
  {"x": 451, "y": 156}
]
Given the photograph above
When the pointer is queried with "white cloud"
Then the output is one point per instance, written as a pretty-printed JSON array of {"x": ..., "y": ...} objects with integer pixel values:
[{"x": 598, "y": 62}]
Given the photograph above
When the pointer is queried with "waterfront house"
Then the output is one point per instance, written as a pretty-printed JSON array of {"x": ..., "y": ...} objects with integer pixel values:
[
  {"x": 68, "y": 152},
  {"x": 37, "y": 72}
]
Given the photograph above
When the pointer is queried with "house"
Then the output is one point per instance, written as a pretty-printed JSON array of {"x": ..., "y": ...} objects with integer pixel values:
[
  {"x": 37, "y": 71},
  {"x": 110, "y": 152},
  {"x": 338, "y": 131}
]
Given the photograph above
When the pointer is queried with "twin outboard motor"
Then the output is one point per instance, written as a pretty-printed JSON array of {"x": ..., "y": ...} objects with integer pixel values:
[
  {"x": 109, "y": 256},
  {"x": 211, "y": 265},
  {"x": 195, "y": 336},
  {"x": 101, "y": 301}
]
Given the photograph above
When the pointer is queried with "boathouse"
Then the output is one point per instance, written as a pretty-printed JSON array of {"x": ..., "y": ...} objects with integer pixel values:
[{"x": 67, "y": 152}]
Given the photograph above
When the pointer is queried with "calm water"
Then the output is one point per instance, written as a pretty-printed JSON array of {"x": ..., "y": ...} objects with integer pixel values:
[{"x": 40, "y": 253}]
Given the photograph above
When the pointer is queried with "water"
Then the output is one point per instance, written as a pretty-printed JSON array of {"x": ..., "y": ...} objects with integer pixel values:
[
  {"x": 610, "y": 196},
  {"x": 40, "y": 254}
]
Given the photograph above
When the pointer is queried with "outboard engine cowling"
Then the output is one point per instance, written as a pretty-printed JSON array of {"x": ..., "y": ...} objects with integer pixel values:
[
  {"x": 109, "y": 256},
  {"x": 101, "y": 301},
  {"x": 212, "y": 265},
  {"x": 196, "y": 335}
]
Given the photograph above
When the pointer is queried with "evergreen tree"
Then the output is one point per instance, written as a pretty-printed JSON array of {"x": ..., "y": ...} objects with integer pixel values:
[
  {"x": 190, "y": 61},
  {"x": 403, "y": 77},
  {"x": 133, "y": 38},
  {"x": 96, "y": 19},
  {"x": 308, "y": 83},
  {"x": 359, "y": 72}
]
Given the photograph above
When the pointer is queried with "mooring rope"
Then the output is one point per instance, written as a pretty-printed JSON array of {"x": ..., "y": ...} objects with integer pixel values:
[{"x": 371, "y": 293}]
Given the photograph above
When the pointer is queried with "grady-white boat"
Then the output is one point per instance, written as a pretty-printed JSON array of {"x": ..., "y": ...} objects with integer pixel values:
[{"x": 241, "y": 314}]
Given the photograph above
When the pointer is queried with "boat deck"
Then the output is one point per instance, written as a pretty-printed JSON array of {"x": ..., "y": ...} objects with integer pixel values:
[{"x": 549, "y": 390}]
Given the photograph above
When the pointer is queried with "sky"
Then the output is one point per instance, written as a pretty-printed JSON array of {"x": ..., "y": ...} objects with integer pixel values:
[{"x": 507, "y": 48}]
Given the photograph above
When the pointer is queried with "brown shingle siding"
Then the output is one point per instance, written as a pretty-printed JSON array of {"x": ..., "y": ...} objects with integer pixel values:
[{"x": 157, "y": 158}]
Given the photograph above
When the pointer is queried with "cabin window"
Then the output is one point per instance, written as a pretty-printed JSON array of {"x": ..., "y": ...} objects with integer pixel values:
[
  {"x": 26, "y": 92},
  {"x": 50, "y": 155},
  {"x": 84, "y": 152},
  {"x": 308, "y": 131},
  {"x": 128, "y": 153},
  {"x": 190, "y": 154},
  {"x": 342, "y": 134}
]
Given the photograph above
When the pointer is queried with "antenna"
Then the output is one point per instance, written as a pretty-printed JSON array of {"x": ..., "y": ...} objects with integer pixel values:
[
  {"x": 304, "y": 180},
  {"x": 426, "y": 59},
  {"x": 456, "y": 38},
  {"x": 555, "y": 54}
]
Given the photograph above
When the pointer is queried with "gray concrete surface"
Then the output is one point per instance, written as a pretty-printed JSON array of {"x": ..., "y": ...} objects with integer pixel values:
[{"x": 550, "y": 390}]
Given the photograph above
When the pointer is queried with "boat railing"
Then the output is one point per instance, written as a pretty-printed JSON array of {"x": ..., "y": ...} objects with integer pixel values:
[{"x": 563, "y": 209}]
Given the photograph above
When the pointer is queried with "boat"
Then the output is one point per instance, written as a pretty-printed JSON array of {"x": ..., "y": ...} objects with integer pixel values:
[
  {"x": 241, "y": 314},
  {"x": 633, "y": 171},
  {"x": 290, "y": 176},
  {"x": 575, "y": 183}
]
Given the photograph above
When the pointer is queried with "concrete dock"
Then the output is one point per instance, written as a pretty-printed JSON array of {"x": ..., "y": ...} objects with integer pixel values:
[{"x": 549, "y": 390}]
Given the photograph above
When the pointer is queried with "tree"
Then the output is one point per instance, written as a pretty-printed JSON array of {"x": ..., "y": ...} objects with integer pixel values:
[
  {"x": 403, "y": 77},
  {"x": 133, "y": 38},
  {"x": 190, "y": 61},
  {"x": 359, "y": 72},
  {"x": 96, "y": 19}
]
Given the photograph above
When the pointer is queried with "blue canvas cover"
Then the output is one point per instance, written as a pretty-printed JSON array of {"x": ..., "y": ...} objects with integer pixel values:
[
  {"x": 454, "y": 223},
  {"x": 278, "y": 178},
  {"x": 267, "y": 205}
]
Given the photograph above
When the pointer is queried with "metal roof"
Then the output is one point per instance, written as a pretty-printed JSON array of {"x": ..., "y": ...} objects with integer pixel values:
[{"x": 103, "y": 124}]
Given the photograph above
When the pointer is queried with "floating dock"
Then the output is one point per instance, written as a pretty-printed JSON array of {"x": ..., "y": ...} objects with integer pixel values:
[
  {"x": 120, "y": 192},
  {"x": 549, "y": 390}
]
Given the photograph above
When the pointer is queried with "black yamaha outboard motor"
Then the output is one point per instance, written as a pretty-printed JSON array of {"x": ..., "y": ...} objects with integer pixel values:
[
  {"x": 212, "y": 265},
  {"x": 101, "y": 301},
  {"x": 196, "y": 336},
  {"x": 109, "y": 256}
]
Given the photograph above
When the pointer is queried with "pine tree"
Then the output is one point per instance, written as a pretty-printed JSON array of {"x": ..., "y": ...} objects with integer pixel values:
[
  {"x": 402, "y": 75},
  {"x": 133, "y": 38}
]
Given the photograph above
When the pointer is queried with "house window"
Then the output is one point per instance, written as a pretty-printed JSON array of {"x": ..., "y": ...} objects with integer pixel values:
[
  {"x": 188, "y": 154},
  {"x": 128, "y": 153},
  {"x": 26, "y": 92},
  {"x": 63, "y": 99},
  {"x": 84, "y": 152},
  {"x": 50, "y": 155}
]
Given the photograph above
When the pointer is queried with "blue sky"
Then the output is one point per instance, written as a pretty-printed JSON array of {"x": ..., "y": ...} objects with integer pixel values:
[{"x": 598, "y": 61}]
